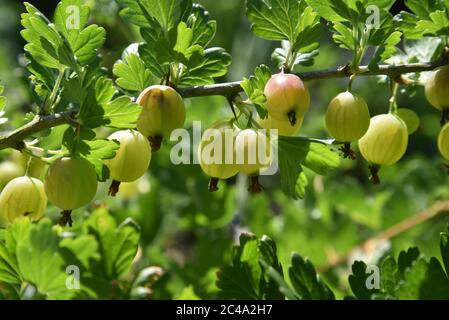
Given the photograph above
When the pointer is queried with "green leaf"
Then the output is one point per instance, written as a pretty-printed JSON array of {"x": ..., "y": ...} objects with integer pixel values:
[
  {"x": 203, "y": 29},
  {"x": 306, "y": 282},
  {"x": 388, "y": 275},
  {"x": 98, "y": 109},
  {"x": 40, "y": 264},
  {"x": 274, "y": 19},
  {"x": 268, "y": 258},
  {"x": 14, "y": 235},
  {"x": 406, "y": 259},
  {"x": 254, "y": 87},
  {"x": 132, "y": 74},
  {"x": 95, "y": 151},
  {"x": 343, "y": 36},
  {"x": 357, "y": 281},
  {"x": 296, "y": 151},
  {"x": 44, "y": 43},
  {"x": 305, "y": 59},
  {"x": 386, "y": 50},
  {"x": 117, "y": 244},
  {"x": 328, "y": 9},
  {"x": 241, "y": 279},
  {"x": 202, "y": 69}
]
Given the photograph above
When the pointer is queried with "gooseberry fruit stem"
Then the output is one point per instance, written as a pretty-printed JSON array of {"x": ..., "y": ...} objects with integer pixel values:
[
  {"x": 213, "y": 184},
  {"x": 374, "y": 170},
  {"x": 155, "y": 143},
  {"x": 114, "y": 188},
  {"x": 347, "y": 152},
  {"x": 255, "y": 187},
  {"x": 66, "y": 218}
]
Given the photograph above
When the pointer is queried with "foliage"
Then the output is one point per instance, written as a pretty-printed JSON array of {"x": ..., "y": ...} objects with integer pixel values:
[{"x": 86, "y": 62}]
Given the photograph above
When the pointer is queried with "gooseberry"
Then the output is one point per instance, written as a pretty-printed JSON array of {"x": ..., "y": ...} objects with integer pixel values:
[
  {"x": 287, "y": 97},
  {"x": 347, "y": 117},
  {"x": 410, "y": 119},
  {"x": 22, "y": 197},
  {"x": 70, "y": 183},
  {"x": 132, "y": 159},
  {"x": 8, "y": 171},
  {"x": 443, "y": 141},
  {"x": 437, "y": 88},
  {"x": 384, "y": 143},
  {"x": 283, "y": 126},
  {"x": 216, "y": 153},
  {"x": 163, "y": 111}
]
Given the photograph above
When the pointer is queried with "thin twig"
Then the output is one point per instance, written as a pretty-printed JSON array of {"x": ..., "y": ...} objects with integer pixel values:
[
  {"x": 16, "y": 138},
  {"x": 436, "y": 209}
]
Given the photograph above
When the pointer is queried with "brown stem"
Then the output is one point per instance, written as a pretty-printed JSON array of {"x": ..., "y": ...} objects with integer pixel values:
[
  {"x": 155, "y": 143},
  {"x": 436, "y": 209},
  {"x": 114, "y": 188},
  {"x": 374, "y": 178},
  {"x": 213, "y": 184},
  {"x": 66, "y": 218},
  {"x": 255, "y": 187},
  {"x": 347, "y": 152}
]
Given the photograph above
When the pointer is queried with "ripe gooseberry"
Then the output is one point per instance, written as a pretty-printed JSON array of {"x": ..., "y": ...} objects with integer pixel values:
[
  {"x": 283, "y": 126},
  {"x": 253, "y": 154},
  {"x": 70, "y": 183},
  {"x": 216, "y": 153},
  {"x": 22, "y": 197},
  {"x": 384, "y": 143},
  {"x": 163, "y": 111},
  {"x": 443, "y": 141},
  {"x": 8, "y": 171},
  {"x": 410, "y": 119},
  {"x": 347, "y": 119},
  {"x": 287, "y": 97},
  {"x": 131, "y": 160},
  {"x": 437, "y": 88}
]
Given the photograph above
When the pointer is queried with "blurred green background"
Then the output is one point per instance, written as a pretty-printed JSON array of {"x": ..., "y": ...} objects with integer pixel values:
[{"x": 190, "y": 232}]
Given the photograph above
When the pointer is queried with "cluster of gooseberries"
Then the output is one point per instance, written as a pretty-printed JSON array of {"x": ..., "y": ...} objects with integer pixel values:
[
  {"x": 225, "y": 150},
  {"x": 249, "y": 151},
  {"x": 71, "y": 181}
]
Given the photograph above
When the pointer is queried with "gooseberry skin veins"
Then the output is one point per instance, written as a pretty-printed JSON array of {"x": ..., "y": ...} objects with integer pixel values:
[
  {"x": 133, "y": 157},
  {"x": 286, "y": 93},
  {"x": 283, "y": 126},
  {"x": 223, "y": 169},
  {"x": 410, "y": 119},
  {"x": 163, "y": 111},
  {"x": 443, "y": 141},
  {"x": 437, "y": 88},
  {"x": 248, "y": 142},
  {"x": 386, "y": 140},
  {"x": 347, "y": 117},
  {"x": 71, "y": 183},
  {"x": 22, "y": 197}
]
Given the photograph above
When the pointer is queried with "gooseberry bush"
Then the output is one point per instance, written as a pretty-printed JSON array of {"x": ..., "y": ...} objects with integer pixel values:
[{"x": 104, "y": 192}]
